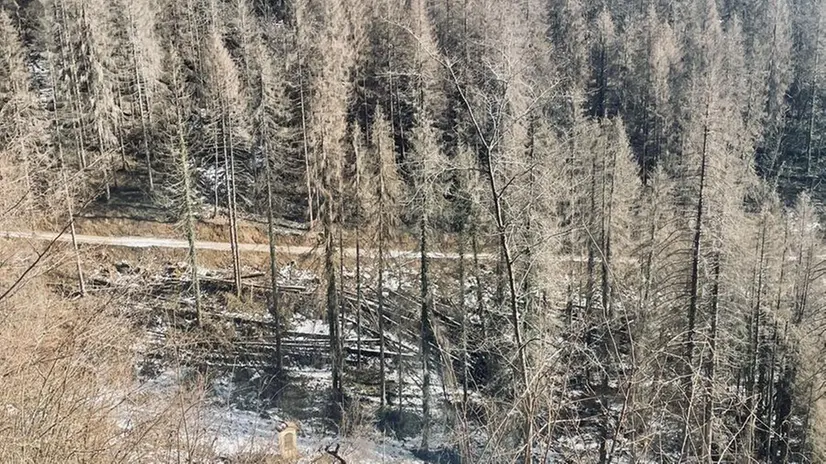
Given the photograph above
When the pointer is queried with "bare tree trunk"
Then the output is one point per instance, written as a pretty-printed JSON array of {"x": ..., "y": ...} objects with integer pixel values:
[
  {"x": 773, "y": 400},
  {"x": 480, "y": 302},
  {"x": 802, "y": 282},
  {"x": 307, "y": 162},
  {"x": 190, "y": 216},
  {"x": 754, "y": 341},
  {"x": 275, "y": 308},
  {"x": 27, "y": 170},
  {"x": 591, "y": 252},
  {"x": 770, "y": 399},
  {"x": 814, "y": 90},
  {"x": 465, "y": 445},
  {"x": 782, "y": 421},
  {"x": 121, "y": 144},
  {"x": 233, "y": 213},
  {"x": 695, "y": 253},
  {"x": 399, "y": 365},
  {"x": 607, "y": 313},
  {"x": 229, "y": 181},
  {"x": 426, "y": 331},
  {"x": 358, "y": 296},
  {"x": 694, "y": 284},
  {"x": 380, "y": 296},
  {"x": 144, "y": 129},
  {"x": 332, "y": 304},
  {"x": 571, "y": 193},
  {"x": 106, "y": 169},
  {"x": 80, "y": 280},
  {"x": 522, "y": 367},
  {"x": 67, "y": 193},
  {"x": 217, "y": 181},
  {"x": 606, "y": 238},
  {"x": 463, "y": 313},
  {"x": 75, "y": 90},
  {"x": 359, "y": 222},
  {"x": 341, "y": 301},
  {"x": 646, "y": 126},
  {"x": 710, "y": 363},
  {"x": 648, "y": 263}
]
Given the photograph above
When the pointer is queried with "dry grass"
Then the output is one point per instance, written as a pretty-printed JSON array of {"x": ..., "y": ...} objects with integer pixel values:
[
  {"x": 69, "y": 392},
  {"x": 63, "y": 364}
]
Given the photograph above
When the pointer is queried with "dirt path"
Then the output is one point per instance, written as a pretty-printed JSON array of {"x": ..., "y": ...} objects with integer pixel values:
[{"x": 155, "y": 242}]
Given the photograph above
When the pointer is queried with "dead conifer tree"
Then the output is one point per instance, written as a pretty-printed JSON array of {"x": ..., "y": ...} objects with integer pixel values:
[
  {"x": 142, "y": 56},
  {"x": 182, "y": 192},
  {"x": 332, "y": 25},
  {"x": 23, "y": 122},
  {"x": 428, "y": 165},
  {"x": 268, "y": 114},
  {"x": 386, "y": 193},
  {"x": 227, "y": 104},
  {"x": 57, "y": 141}
]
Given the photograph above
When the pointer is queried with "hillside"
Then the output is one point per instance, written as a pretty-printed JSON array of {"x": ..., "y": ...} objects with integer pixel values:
[{"x": 483, "y": 231}]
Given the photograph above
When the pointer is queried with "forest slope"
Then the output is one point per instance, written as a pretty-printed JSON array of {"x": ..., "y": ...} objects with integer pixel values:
[{"x": 648, "y": 177}]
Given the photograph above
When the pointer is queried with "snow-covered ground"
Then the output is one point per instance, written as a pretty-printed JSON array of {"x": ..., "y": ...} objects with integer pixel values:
[
  {"x": 234, "y": 409},
  {"x": 230, "y": 430}
]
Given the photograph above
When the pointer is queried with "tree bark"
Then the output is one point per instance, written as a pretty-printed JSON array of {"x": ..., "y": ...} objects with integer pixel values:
[
  {"x": 233, "y": 212},
  {"x": 229, "y": 183},
  {"x": 190, "y": 219},
  {"x": 65, "y": 180},
  {"x": 463, "y": 314},
  {"x": 521, "y": 369},
  {"x": 358, "y": 295},
  {"x": 305, "y": 145},
  {"x": 814, "y": 90},
  {"x": 480, "y": 302},
  {"x": 708, "y": 411},
  {"x": 144, "y": 128},
  {"x": 275, "y": 307},
  {"x": 331, "y": 295},
  {"x": 426, "y": 330},
  {"x": 694, "y": 284},
  {"x": 380, "y": 297}
]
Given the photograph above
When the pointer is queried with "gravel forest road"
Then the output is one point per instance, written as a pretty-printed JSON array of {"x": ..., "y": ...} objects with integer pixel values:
[{"x": 161, "y": 242}]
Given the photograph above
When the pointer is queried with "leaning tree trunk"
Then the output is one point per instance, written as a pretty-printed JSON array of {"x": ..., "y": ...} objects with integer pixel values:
[
  {"x": 521, "y": 368},
  {"x": 229, "y": 183},
  {"x": 233, "y": 212},
  {"x": 80, "y": 280}
]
